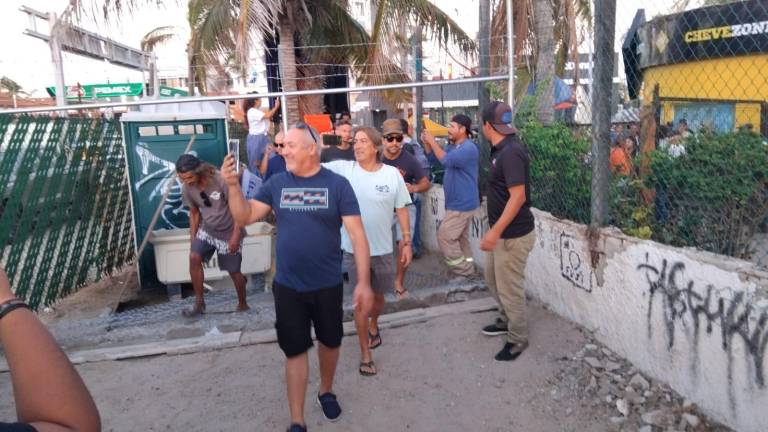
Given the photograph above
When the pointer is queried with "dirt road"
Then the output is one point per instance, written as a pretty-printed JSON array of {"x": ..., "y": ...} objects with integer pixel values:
[{"x": 434, "y": 376}]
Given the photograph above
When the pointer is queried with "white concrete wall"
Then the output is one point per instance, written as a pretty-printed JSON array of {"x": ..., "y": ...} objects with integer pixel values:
[
  {"x": 432, "y": 213},
  {"x": 695, "y": 320}
]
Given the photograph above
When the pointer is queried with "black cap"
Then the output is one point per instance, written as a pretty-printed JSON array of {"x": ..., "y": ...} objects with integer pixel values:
[
  {"x": 186, "y": 163},
  {"x": 465, "y": 121},
  {"x": 499, "y": 115}
]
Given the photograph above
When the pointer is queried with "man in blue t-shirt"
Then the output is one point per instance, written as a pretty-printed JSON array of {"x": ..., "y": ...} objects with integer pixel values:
[
  {"x": 461, "y": 193},
  {"x": 271, "y": 165},
  {"x": 311, "y": 204}
]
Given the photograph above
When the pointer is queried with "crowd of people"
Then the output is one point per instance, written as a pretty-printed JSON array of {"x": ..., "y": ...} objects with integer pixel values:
[
  {"x": 626, "y": 144},
  {"x": 344, "y": 208},
  {"x": 351, "y": 209}
]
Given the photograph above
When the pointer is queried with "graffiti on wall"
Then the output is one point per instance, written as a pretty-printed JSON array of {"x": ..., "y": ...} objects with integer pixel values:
[
  {"x": 573, "y": 267},
  {"x": 155, "y": 168},
  {"x": 736, "y": 318}
]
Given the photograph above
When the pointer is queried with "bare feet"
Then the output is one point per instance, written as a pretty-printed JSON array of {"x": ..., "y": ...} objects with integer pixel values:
[
  {"x": 196, "y": 311},
  {"x": 242, "y": 307}
]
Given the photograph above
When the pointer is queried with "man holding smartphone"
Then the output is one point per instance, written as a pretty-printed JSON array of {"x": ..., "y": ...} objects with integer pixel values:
[
  {"x": 344, "y": 150},
  {"x": 211, "y": 228}
]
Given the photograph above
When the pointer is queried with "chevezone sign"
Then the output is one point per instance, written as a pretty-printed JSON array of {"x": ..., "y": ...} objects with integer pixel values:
[
  {"x": 733, "y": 31},
  {"x": 729, "y": 30}
]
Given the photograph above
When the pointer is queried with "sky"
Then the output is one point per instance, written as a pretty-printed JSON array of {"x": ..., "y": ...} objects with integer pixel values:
[{"x": 27, "y": 60}]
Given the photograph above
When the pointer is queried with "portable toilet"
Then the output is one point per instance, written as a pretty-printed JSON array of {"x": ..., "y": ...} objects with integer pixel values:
[{"x": 154, "y": 138}]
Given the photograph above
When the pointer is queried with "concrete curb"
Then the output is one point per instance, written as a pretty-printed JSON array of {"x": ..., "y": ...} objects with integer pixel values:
[{"x": 211, "y": 342}]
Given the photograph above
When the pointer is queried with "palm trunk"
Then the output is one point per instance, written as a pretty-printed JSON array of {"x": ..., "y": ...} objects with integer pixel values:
[
  {"x": 190, "y": 71},
  {"x": 288, "y": 71},
  {"x": 545, "y": 61}
]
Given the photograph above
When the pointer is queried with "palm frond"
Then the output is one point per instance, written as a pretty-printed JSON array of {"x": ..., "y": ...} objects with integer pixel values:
[{"x": 158, "y": 36}]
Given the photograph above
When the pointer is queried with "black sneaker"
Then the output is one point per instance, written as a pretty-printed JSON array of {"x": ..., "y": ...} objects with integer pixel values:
[
  {"x": 331, "y": 408},
  {"x": 495, "y": 329},
  {"x": 295, "y": 427},
  {"x": 511, "y": 351}
]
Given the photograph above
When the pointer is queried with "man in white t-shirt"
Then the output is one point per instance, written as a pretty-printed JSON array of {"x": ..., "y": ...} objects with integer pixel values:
[
  {"x": 258, "y": 128},
  {"x": 380, "y": 191}
]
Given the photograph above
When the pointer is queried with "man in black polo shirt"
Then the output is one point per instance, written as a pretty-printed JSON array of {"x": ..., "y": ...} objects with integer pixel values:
[{"x": 511, "y": 235}]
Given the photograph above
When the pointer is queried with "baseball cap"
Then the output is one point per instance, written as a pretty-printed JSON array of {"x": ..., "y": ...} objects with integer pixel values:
[
  {"x": 391, "y": 126},
  {"x": 499, "y": 115},
  {"x": 465, "y": 121},
  {"x": 186, "y": 163}
]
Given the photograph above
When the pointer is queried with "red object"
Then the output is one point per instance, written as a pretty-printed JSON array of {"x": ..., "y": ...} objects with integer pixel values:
[{"x": 321, "y": 122}]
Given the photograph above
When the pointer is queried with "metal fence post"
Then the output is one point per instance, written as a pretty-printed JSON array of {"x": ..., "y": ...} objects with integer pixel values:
[{"x": 605, "y": 20}]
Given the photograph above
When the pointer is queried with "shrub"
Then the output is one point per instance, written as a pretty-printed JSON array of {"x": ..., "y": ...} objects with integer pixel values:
[{"x": 713, "y": 197}]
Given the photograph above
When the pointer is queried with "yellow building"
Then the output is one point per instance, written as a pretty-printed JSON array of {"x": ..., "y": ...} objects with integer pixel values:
[{"x": 708, "y": 65}]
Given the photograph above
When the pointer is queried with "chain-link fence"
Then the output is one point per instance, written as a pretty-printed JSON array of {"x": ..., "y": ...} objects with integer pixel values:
[
  {"x": 65, "y": 217},
  {"x": 688, "y": 151},
  {"x": 689, "y": 120}
]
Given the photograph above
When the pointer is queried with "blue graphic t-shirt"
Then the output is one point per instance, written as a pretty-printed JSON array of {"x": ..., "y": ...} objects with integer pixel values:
[{"x": 308, "y": 212}]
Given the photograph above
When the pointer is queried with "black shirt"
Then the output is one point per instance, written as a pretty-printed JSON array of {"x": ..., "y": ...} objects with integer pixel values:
[
  {"x": 17, "y": 427},
  {"x": 409, "y": 167},
  {"x": 510, "y": 166},
  {"x": 333, "y": 153}
]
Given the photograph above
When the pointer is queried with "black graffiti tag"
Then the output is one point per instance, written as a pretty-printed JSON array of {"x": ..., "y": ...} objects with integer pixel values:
[{"x": 734, "y": 316}]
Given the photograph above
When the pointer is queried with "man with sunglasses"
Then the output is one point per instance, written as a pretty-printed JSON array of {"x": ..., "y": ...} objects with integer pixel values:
[
  {"x": 273, "y": 165},
  {"x": 415, "y": 182},
  {"x": 211, "y": 228},
  {"x": 311, "y": 204},
  {"x": 461, "y": 193}
]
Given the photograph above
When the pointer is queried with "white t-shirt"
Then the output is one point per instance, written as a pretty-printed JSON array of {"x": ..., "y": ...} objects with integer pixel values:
[
  {"x": 378, "y": 193},
  {"x": 257, "y": 124}
]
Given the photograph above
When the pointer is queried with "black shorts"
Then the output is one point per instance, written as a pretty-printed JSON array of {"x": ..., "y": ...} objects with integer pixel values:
[{"x": 297, "y": 311}]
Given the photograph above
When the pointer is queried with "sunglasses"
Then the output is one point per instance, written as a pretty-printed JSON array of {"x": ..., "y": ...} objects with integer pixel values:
[
  {"x": 206, "y": 200},
  {"x": 278, "y": 145},
  {"x": 306, "y": 127},
  {"x": 390, "y": 138}
]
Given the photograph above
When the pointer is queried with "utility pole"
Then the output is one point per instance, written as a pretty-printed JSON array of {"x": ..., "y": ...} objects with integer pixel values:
[
  {"x": 484, "y": 36},
  {"x": 58, "y": 64},
  {"x": 510, "y": 53},
  {"x": 605, "y": 32},
  {"x": 418, "y": 114}
]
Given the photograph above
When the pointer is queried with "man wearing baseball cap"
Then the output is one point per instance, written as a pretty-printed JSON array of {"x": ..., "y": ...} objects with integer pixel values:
[
  {"x": 461, "y": 194},
  {"x": 511, "y": 235}
]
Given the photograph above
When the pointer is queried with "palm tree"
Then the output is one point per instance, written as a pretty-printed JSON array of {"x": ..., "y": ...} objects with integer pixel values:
[
  {"x": 10, "y": 86},
  {"x": 558, "y": 26},
  {"x": 326, "y": 25},
  {"x": 545, "y": 61},
  {"x": 150, "y": 40}
]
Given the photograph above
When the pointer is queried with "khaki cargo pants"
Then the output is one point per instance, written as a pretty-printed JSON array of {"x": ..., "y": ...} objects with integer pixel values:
[
  {"x": 453, "y": 239},
  {"x": 505, "y": 277}
]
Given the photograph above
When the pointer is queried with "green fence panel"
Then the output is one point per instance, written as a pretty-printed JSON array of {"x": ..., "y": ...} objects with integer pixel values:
[
  {"x": 33, "y": 169},
  {"x": 44, "y": 240},
  {"x": 65, "y": 212}
]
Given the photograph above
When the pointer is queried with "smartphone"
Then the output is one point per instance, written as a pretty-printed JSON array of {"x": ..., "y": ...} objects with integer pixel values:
[
  {"x": 234, "y": 150},
  {"x": 331, "y": 140}
]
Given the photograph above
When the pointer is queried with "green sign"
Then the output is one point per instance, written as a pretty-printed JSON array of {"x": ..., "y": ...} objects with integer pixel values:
[
  {"x": 94, "y": 91},
  {"x": 171, "y": 92}
]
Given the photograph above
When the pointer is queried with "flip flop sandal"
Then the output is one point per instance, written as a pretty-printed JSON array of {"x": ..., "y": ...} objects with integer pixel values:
[
  {"x": 369, "y": 365},
  {"x": 401, "y": 292},
  {"x": 374, "y": 340}
]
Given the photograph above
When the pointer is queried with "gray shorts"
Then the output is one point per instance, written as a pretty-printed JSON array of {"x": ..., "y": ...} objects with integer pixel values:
[
  {"x": 229, "y": 262},
  {"x": 382, "y": 272}
]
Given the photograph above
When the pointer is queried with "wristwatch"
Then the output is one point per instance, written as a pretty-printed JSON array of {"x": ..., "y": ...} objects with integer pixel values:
[{"x": 11, "y": 305}]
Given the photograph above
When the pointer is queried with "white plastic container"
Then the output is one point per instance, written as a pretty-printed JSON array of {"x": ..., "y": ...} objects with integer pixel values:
[{"x": 172, "y": 254}]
